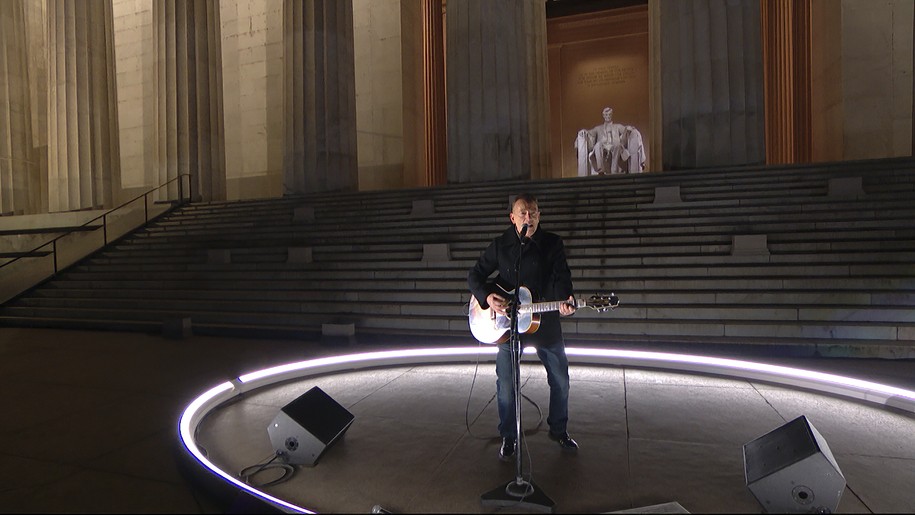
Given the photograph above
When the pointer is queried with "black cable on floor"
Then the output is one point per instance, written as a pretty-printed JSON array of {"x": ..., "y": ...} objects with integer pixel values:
[
  {"x": 473, "y": 381},
  {"x": 246, "y": 474}
]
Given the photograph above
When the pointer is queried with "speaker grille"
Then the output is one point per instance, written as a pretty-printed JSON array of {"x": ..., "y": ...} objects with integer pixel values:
[
  {"x": 320, "y": 415},
  {"x": 778, "y": 449}
]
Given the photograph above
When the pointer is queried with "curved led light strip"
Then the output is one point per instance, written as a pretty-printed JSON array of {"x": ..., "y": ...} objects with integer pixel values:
[{"x": 830, "y": 383}]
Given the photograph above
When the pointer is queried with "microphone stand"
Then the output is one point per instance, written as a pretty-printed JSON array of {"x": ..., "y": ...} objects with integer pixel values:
[{"x": 518, "y": 492}]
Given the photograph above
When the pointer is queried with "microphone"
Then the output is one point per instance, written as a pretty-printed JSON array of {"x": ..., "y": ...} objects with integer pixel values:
[{"x": 523, "y": 233}]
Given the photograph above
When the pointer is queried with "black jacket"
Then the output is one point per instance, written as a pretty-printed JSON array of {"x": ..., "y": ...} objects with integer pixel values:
[{"x": 544, "y": 271}]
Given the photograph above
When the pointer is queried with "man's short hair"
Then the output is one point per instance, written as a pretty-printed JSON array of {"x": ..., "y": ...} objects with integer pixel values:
[{"x": 527, "y": 198}]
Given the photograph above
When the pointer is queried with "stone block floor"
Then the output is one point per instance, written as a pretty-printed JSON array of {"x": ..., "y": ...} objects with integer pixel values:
[{"x": 90, "y": 425}]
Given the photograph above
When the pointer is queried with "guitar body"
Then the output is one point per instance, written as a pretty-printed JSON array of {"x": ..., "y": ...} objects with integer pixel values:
[{"x": 488, "y": 326}]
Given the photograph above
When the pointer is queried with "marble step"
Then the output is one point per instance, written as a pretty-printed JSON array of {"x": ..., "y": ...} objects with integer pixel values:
[{"x": 572, "y": 327}]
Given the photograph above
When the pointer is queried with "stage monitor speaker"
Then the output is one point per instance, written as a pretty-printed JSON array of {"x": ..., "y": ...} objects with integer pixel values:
[
  {"x": 308, "y": 426},
  {"x": 792, "y": 470}
]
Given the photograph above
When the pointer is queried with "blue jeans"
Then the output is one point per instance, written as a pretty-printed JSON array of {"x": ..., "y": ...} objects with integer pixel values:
[{"x": 557, "y": 375}]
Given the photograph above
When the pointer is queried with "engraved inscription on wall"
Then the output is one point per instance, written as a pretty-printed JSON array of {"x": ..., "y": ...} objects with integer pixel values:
[{"x": 606, "y": 75}]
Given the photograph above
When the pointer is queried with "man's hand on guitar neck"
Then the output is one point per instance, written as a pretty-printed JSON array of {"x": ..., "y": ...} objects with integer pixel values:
[{"x": 568, "y": 308}]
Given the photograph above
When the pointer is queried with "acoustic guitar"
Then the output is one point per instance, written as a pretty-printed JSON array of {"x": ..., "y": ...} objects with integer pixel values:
[{"x": 488, "y": 326}]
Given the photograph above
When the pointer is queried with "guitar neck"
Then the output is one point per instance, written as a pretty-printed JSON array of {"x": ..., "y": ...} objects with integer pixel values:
[{"x": 543, "y": 307}]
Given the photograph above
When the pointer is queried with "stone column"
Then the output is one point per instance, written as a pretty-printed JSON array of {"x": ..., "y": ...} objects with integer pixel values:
[
  {"x": 498, "y": 105},
  {"x": 786, "y": 62},
  {"x": 711, "y": 83},
  {"x": 425, "y": 141},
  {"x": 19, "y": 163},
  {"x": 319, "y": 96},
  {"x": 83, "y": 157},
  {"x": 655, "y": 97},
  {"x": 190, "y": 109}
]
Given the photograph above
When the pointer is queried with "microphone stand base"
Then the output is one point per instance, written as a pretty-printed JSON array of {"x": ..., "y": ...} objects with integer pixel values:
[{"x": 524, "y": 495}]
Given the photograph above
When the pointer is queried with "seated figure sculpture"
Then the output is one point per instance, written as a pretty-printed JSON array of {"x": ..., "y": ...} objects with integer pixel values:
[{"x": 610, "y": 148}]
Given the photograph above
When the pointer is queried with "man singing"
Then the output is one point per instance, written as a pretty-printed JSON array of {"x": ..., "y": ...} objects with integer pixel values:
[{"x": 545, "y": 272}]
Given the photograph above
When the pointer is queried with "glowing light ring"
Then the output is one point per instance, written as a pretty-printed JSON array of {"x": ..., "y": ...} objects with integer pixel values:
[
  {"x": 364, "y": 360},
  {"x": 187, "y": 428},
  {"x": 818, "y": 381}
]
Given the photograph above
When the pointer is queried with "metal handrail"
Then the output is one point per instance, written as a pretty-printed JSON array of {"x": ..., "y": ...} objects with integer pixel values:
[{"x": 104, "y": 217}]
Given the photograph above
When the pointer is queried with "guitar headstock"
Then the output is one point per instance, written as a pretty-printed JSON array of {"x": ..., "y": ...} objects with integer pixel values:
[{"x": 601, "y": 303}]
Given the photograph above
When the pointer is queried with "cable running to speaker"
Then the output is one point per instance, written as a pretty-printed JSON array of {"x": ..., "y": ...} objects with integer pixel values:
[{"x": 246, "y": 474}]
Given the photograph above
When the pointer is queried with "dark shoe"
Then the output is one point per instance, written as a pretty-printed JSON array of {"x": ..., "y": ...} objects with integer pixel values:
[
  {"x": 508, "y": 448},
  {"x": 565, "y": 441}
]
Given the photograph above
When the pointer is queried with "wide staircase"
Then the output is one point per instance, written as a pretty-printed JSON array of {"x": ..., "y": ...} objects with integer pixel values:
[{"x": 804, "y": 259}]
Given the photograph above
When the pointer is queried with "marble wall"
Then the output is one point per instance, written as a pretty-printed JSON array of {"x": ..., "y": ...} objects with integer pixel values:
[
  {"x": 135, "y": 72},
  {"x": 379, "y": 93},
  {"x": 861, "y": 79},
  {"x": 877, "y": 78},
  {"x": 252, "y": 75},
  {"x": 826, "y": 104}
]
